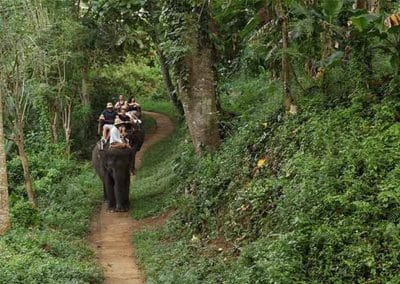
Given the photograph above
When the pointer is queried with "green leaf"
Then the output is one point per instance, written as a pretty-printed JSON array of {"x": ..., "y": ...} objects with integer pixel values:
[
  {"x": 331, "y": 8},
  {"x": 380, "y": 24},
  {"x": 300, "y": 9},
  {"x": 335, "y": 57},
  {"x": 250, "y": 26},
  {"x": 361, "y": 22}
]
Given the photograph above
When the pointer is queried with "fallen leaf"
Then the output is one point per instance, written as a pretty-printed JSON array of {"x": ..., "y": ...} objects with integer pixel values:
[{"x": 261, "y": 163}]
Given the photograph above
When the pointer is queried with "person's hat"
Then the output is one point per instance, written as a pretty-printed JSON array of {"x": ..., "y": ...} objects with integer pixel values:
[
  {"x": 118, "y": 121},
  {"x": 109, "y": 105}
]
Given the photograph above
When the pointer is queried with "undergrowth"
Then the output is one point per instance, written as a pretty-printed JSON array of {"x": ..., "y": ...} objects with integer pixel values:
[
  {"x": 154, "y": 188},
  {"x": 149, "y": 124},
  {"x": 159, "y": 105},
  {"x": 46, "y": 245},
  {"x": 311, "y": 198}
]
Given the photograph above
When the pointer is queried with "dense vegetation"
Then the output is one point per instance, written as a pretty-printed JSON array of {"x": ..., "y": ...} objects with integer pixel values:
[
  {"x": 309, "y": 198},
  {"x": 47, "y": 244},
  {"x": 305, "y": 199},
  {"x": 54, "y": 82},
  {"x": 285, "y": 165}
]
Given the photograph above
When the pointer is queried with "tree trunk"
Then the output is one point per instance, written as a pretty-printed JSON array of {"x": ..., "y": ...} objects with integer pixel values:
[
  {"x": 85, "y": 87},
  {"x": 199, "y": 100},
  {"x": 20, "y": 141},
  {"x": 361, "y": 4},
  {"x": 64, "y": 104},
  {"x": 168, "y": 83},
  {"x": 196, "y": 79},
  {"x": 27, "y": 176},
  {"x": 375, "y": 6},
  {"x": 326, "y": 41},
  {"x": 18, "y": 94},
  {"x": 4, "y": 205},
  {"x": 66, "y": 112},
  {"x": 78, "y": 9},
  {"x": 67, "y": 132},
  {"x": 287, "y": 96},
  {"x": 54, "y": 132}
]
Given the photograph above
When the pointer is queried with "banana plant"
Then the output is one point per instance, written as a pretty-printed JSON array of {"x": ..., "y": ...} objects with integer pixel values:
[
  {"x": 373, "y": 26},
  {"x": 320, "y": 21}
]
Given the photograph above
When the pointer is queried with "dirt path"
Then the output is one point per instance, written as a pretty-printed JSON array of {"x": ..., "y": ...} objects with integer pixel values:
[{"x": 111, "y": 233}]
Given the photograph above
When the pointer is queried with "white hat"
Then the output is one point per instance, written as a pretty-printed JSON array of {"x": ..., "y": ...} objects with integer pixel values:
[{"x": 118, "y": 121}]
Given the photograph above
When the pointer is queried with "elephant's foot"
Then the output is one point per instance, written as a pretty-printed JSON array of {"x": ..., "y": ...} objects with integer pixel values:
[
  {"x": 120, "y": 208},
  {"x": 111, "y": 208}
]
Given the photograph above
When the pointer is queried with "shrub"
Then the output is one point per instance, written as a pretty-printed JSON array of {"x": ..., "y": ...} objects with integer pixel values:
[{"x": 45, "y": 245}]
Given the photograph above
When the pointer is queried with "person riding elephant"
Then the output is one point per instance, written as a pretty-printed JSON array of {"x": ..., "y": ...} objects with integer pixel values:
[
  {"x": 130, "y": 128},
  {"x": 121, "y": 102},
  {"x": 114, "y": 163},
  {"x": 118, "y": 135},
  {"x": 123, "y": 115},
  {"x": 134, "y": 107},
  {"x": 106, "y": 120}
]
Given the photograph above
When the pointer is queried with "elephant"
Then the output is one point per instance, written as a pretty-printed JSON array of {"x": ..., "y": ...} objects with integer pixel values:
[{"x": 114, "y": 167}]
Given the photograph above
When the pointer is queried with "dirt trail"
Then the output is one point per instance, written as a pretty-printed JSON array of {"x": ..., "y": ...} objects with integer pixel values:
[{"x": 111, "y": 233}]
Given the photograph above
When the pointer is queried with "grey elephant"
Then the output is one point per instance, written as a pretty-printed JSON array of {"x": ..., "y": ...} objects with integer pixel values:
[{"x": 114, "y": 167}]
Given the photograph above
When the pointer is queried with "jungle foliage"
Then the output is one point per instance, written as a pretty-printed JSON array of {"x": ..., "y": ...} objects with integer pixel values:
[
  {"x": 302, "y": 184},
  {"x": 317, "y": 192},
  {"x": 47, "y": 244},
  {"x": 304, "y": 197}
]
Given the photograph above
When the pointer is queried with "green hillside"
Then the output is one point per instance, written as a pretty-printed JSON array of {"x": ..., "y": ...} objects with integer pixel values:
[{"x": 305, "y": 199}]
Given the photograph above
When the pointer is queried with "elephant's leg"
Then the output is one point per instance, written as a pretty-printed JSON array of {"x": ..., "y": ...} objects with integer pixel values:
[
  {"x": 132, "y": 163},
  {"x": 125, "y": 198},
  {"x": 122, "y": 190},
  {"x": 109, "y": 188},
  {"x": 104, "y": 192}
]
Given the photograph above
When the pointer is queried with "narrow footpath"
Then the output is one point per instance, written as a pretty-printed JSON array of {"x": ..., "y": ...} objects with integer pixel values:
[{"x": 111, "y": 233}]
